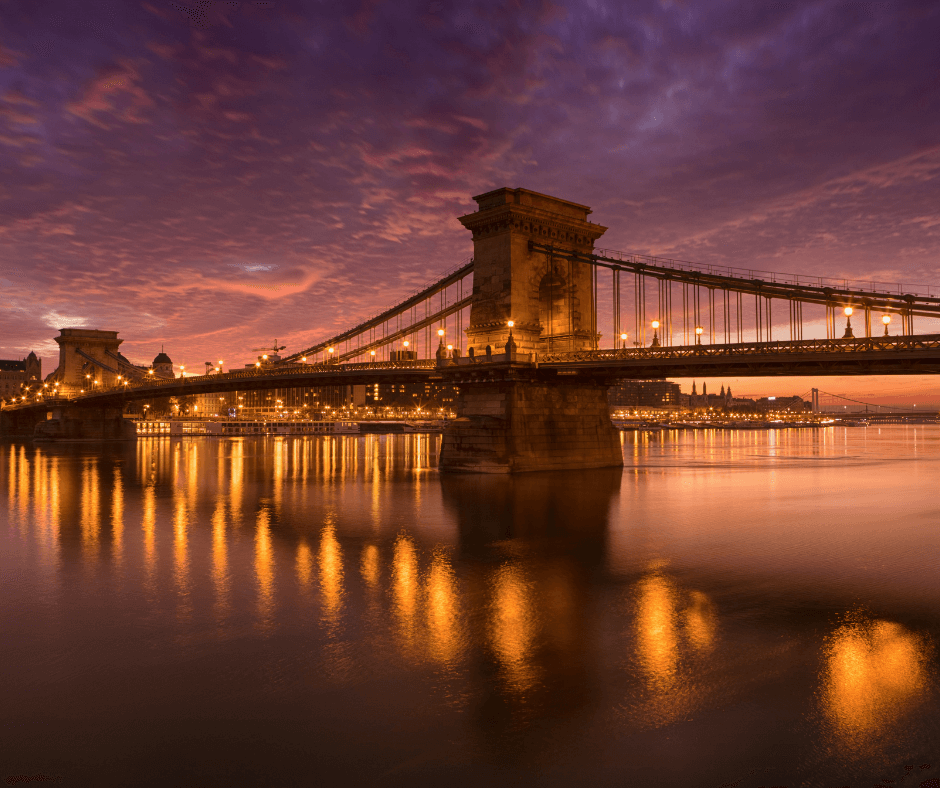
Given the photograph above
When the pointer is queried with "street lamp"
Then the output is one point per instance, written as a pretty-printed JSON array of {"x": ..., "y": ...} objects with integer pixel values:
[
  {"x": 623, "y": 341},
  {"x": 655, "y": 342},
  {"x": 886, "y": 319},
  {"x": 698, "y": 335},
  {"x": 848, "y": 324}
]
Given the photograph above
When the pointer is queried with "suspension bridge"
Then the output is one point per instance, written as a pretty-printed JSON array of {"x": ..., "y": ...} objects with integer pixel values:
[{"x": 538, "y": 323}]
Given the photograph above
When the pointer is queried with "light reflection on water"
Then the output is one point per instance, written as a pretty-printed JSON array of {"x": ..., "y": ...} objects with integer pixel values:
[
  {"x": 875, "y": 670},
  {"x": 573, "y": 624}
]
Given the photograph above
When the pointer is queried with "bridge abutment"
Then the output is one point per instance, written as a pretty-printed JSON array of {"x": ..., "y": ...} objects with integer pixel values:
[
  {"x": 20, "y": 423},
  {"x": 80, "y": 424},
  {"x": 516, "y": 425}
]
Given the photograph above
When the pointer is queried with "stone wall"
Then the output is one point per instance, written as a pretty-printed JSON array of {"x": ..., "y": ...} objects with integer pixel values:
[
  {"x": 511, "y": 427},
  {"x": 80, "y": 424}
]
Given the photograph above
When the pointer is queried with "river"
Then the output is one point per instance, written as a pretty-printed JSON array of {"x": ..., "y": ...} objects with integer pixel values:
[{"x": 746, "y": 608}]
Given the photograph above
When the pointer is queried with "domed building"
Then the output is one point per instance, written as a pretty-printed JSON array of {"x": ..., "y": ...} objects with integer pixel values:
[{"x": 162, "y": 366}]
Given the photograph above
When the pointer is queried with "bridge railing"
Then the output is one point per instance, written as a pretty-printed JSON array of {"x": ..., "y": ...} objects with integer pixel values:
[
  {"x": 782, "y": 347},
  {"x": 279, "y": 371}
]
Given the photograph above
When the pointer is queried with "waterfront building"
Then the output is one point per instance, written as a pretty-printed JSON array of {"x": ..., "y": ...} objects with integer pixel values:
[
  {"x": 423, "y": 395},
  {"x": 644, "y": 393},
  {"x": 162, "y": 365},
  {"x": 15, "y": 375}
]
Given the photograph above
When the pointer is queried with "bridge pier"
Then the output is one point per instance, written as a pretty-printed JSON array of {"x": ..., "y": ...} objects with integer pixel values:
[
  {"x": 20, "y": 423},
  {"x": 85, "y": 423},
  {"x": 515, "y": 422}
]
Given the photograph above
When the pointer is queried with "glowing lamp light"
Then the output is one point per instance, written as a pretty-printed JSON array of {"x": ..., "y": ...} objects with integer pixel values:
[
  {"x": 332, "y": 350},
  {"x": 406, "y": 343},
  {"x": 848, "y": 311},
  {"x": 304, "y": 359},
  {"x": 450, "y": 347},
  {"x": 257, "y": 363},
  {"x": 886, "y": 319},
  {"x": 511, "y": 323},
  {"x": 440, "y": 332},
  {"x": 372, "y": 353},
  {"x": 623, "y": 337},
  {"x": 699, "y": 330},
  {"x": 655, "y": 324}
]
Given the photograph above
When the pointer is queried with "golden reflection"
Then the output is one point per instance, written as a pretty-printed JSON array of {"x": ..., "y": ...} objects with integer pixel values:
[
  {"x": 11, "y": 479},
  {"x": 331, "y": 572},
  {"x": 369, "y": 565},
  {"x": 90, "y": 522},
  {"x": 192, "y": 472},
  {"x": 700, "y": 622},
  {"x": 657, "y": 637},
  {"x": 181, "y": 552},
  {"x": 264, "y": 567},
  {"x": 237, "y": 480},
  {"x": 117, "y": 514},
  {"x": 874, "y": 670},
  {"x": 148, "y": 525},
  {"x": 405, "y": 586},
  {"x": 50, "y": 493},
  {"x": 304, "y": 564},
  {"x": 220, "y": 576},
  {"x": 23, "y": 488},
  {"x": 512, "y": 628},
  {"x": 442, "y": 609}
]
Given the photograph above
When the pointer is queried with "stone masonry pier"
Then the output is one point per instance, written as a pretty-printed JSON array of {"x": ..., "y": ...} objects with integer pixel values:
[{"x": 517, "y": 422}]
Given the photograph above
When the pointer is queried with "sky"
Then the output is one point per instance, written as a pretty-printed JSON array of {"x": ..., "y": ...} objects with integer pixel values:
[{"x": 209, "y": 176}]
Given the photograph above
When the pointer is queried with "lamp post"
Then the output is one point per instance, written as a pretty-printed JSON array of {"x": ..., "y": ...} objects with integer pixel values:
[
  {"x": 848, "y": 324},
  {"x": 655, "y": 342},
  {"x": 623, "y": 341},
  {"x": 698, "y": 335},
  {"x": 886, "y": 319}
]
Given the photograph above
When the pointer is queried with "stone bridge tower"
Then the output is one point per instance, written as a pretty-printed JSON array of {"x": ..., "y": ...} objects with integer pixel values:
[
  {"x": 513, "y": 416},
  {"x": 88, "y": 352},
  {"x": 550, "y": 300}
]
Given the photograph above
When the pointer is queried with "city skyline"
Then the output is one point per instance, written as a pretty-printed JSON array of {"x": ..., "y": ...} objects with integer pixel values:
[{"x": 209, "y": 177}]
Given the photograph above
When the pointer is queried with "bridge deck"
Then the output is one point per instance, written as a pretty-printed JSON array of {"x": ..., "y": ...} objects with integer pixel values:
[{"x": 893, "y": 355}]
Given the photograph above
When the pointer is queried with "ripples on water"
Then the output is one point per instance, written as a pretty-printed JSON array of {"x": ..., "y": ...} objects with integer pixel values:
[{"x": 757, "y": 608}]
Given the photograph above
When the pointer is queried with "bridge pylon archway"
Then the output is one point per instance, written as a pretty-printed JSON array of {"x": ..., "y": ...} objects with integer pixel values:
[{"x": 549, "y": 299}]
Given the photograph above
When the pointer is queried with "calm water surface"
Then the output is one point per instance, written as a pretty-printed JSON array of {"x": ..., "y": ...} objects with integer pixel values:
[{"x": 747, "y": 608}]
